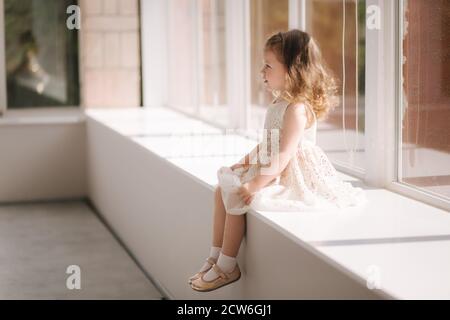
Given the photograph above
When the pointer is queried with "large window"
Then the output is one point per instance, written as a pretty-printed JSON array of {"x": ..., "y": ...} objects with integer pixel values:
[
  {"x": 220, "y": 44},
  {"x": 41, "y": 54},
  {"x": 197, "y": 67},
  {"x": 425, "y": 91}
]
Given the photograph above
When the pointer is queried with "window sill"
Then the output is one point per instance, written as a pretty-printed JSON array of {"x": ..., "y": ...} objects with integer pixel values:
[
  {"x": 42, "y": 116},
  {"x": 399, "y": 241}
]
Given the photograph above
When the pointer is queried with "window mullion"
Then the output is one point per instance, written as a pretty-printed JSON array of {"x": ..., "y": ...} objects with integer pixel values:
[
  {"x": 380, "y": 96},
  {"x": 154, "y": 32},
  {"x": 297, "y": 14},
  {"x": 238, "y": 66},
  {"x": 197, "y": 53}
]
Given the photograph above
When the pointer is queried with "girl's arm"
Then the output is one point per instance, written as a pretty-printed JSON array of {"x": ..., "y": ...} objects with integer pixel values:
[{"x": 294, "y": 123}]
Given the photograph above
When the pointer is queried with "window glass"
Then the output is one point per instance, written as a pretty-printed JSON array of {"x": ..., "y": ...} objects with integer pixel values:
[
  {"x": 425, "y": 145},
  {"x": 212, "y": 62},
  {"x": 341, "y": 135},
  {"x": 266, "y": 18},
  {"x": 181, "y": 55},
  {"x": 41, "y": 54}
]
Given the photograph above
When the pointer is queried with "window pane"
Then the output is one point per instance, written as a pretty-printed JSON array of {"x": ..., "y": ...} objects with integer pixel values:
[
  {"x": 341, "y": 135},
  {"x": 266, "y": 18},
  {"x": 41, "y": 54},
  {"x": 197, "y": 58},
  {"x": 425, "y": 145},
  {"x": 181, "y": 55},
  {"x": 212, "y": 65}
]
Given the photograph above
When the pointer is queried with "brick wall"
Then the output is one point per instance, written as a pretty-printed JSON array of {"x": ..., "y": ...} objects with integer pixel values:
[{"x": 110, "y": 54}]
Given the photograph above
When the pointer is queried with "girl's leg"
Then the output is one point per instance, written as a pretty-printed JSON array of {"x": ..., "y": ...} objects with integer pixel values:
[
  {"x": 228, "y": 233},
  {"x": 228, "y": 229},
  {"x": 232, "y": 238},
  {"x": 219, "y": 219},
  {"x": 218, "y": 228},
  {"x": 233, "y": 234}
]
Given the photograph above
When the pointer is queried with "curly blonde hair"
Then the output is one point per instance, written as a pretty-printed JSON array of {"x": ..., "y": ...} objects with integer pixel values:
[{"x": 308, "y": 78}]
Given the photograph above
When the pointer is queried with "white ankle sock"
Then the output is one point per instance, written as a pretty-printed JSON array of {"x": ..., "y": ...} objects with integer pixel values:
[
  {"x": 226, "y": 263},
  {"x": 214, "y": 253}
]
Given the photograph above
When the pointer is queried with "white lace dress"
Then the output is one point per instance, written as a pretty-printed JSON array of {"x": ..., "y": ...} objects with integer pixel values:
[{"x": 308, "y": 183}]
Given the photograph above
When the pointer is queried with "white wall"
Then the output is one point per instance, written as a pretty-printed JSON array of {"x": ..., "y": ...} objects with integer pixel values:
[{"x": 42, "y": 161}]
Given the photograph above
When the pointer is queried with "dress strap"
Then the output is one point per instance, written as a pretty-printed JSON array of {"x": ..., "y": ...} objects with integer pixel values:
[{"x": 312, "y": 111}]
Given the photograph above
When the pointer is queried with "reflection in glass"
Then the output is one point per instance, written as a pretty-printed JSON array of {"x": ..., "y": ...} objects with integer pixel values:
[
  {"x": 41, "y": 54},
  {"x": 425, "y": 148}
]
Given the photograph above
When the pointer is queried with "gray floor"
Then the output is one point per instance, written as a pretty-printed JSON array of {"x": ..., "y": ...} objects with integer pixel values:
[{"x": 38, "y": 241}]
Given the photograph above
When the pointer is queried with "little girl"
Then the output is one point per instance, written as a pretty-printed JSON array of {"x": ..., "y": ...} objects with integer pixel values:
[{"x": 287, "y": 171}]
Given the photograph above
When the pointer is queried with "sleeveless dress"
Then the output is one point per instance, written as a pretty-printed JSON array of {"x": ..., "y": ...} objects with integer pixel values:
[{"x": 308, "y": 183}]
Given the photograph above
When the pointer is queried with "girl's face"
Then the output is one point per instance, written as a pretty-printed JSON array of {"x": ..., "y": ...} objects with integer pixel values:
[{"x": 273, "y": 72}]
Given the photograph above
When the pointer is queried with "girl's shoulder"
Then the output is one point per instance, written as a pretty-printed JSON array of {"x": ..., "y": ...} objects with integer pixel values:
[{"x": 304, "y": 109}]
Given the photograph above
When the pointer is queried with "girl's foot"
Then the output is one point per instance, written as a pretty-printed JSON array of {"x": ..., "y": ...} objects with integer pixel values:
[
  {"x": 223, "y": 279},
  {"x": 214, "y": 253},
  {"x": 206, "y": 267},
  {"x": 224, "y": 272},
  {"x": 225, "y": 263}
]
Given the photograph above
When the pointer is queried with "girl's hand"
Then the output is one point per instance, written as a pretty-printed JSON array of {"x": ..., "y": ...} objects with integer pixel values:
[
  {"x": 245, "y": 193},
  {"x": 237, "y": 166}
]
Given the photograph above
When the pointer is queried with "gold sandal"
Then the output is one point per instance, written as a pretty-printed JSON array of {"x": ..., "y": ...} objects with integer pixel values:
[
  {"x": 202, "y": 285},
  {"x": 211, "y": 262}
]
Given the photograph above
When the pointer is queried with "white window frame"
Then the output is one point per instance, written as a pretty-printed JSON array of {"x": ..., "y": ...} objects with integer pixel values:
[
  {"x": 297, "y": 14},
  {"x": 237, "y": 13},
  {"x": 154, "y": 67},
  {"x": 380, "y": 96},
  {"x": 383, "y": 105}
]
